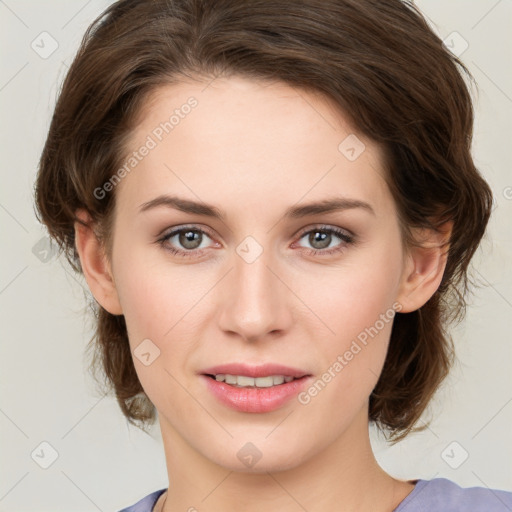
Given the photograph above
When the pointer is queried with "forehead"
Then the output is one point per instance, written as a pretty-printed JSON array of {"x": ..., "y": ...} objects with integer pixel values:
[{"x": 236, "y": 139}]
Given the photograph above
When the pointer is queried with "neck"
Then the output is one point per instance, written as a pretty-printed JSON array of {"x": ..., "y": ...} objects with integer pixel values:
[{"x": 343, "y": 476}]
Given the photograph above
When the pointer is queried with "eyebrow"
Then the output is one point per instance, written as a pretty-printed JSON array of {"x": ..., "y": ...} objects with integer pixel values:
[{"x": 294, "y": 212}]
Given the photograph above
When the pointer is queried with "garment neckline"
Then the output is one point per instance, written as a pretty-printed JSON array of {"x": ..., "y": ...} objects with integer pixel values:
[
  {"x": 418, "y": 483},
  {"x": 157, "y": 497}
]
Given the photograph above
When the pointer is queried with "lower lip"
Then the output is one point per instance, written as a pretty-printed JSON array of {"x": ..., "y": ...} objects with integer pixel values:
[{"x": 255, "y": 399}]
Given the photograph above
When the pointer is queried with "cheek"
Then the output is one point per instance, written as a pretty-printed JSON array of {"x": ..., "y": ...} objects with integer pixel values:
[
  {"x": 356, "y": 303},
  {"x": 161, "y": 301},
  {"x": 352, "y": 297},
  {"x": 158, "y": 305}
]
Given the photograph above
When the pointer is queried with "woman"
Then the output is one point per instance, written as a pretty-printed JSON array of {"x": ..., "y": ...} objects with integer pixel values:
[{"x": 274, "y": 205}]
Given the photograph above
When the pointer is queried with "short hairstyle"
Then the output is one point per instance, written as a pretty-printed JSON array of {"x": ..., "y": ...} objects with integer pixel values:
[{"x": 378, "y": 61}]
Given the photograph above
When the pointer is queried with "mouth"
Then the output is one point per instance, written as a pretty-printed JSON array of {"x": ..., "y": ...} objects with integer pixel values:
[
  {"x": 262, "y": 376},
  {"x": 244, "y": 381},
  {"x": 254, "y": 389}
]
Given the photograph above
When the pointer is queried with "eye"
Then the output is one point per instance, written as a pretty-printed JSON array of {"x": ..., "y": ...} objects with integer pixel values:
[
  {"x": 321, "y": 238},
  {"x": 188, "y": 238}
]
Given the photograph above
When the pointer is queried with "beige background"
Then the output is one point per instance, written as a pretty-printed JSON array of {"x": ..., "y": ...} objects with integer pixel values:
[{"x": 46, "y": 394}]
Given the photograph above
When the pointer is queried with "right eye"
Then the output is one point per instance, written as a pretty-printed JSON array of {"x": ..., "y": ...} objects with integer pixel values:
[{"x": 189, "y": 238}]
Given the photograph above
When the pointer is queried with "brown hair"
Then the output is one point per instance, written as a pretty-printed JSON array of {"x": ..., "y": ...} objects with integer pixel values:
[{"x": 382, "y": 66}]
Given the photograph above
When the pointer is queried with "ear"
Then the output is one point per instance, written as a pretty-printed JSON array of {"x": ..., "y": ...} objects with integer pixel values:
[
  {"x": 424, "y": 267},
  {"x": 95, "y": 265}
]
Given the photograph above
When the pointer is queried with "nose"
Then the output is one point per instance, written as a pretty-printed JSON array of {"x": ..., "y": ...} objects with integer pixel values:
[{"x": 255, "y": 301}]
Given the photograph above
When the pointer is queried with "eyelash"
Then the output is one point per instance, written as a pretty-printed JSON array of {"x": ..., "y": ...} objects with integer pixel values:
[{"x": 343, "y": 235}]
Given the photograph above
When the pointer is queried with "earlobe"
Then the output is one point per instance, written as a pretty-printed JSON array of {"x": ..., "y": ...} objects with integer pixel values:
[
  {"x": 424, "y": 267},
  {"x": 95, "y": 265}
]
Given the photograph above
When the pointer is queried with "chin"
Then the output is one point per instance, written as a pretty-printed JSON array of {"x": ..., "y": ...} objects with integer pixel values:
[{"x": 257, "y": 458}]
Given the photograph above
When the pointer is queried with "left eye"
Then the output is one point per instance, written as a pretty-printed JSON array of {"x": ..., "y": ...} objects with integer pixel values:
[
  {"x": 322, "y": 238},
  {"x": 191, "y": 238}
]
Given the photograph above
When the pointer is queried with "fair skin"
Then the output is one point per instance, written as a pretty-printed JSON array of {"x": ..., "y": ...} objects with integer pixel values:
[{"x": 253, "y": 150}]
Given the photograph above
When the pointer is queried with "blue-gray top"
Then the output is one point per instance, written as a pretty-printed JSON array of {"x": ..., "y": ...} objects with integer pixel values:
[{"x": 438, "y": 494}]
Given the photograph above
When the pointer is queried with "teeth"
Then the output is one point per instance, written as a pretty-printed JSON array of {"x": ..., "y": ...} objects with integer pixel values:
[{"x": 259, "y": 382}]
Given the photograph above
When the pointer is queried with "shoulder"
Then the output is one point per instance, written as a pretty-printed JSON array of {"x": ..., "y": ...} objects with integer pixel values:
[
  {"x": 443, "y": 495},
  {"x": 146, "y": 504}
]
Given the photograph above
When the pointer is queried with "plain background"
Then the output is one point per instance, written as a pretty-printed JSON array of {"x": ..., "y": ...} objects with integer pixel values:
[{"x": 46, "y": 394}]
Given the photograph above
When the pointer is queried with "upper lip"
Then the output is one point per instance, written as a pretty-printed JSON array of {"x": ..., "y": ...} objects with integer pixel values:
[{"x": 261, "y": 370}]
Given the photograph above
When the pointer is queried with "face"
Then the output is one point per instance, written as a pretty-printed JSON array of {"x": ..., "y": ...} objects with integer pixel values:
[{"x": 268, "y": 281}]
